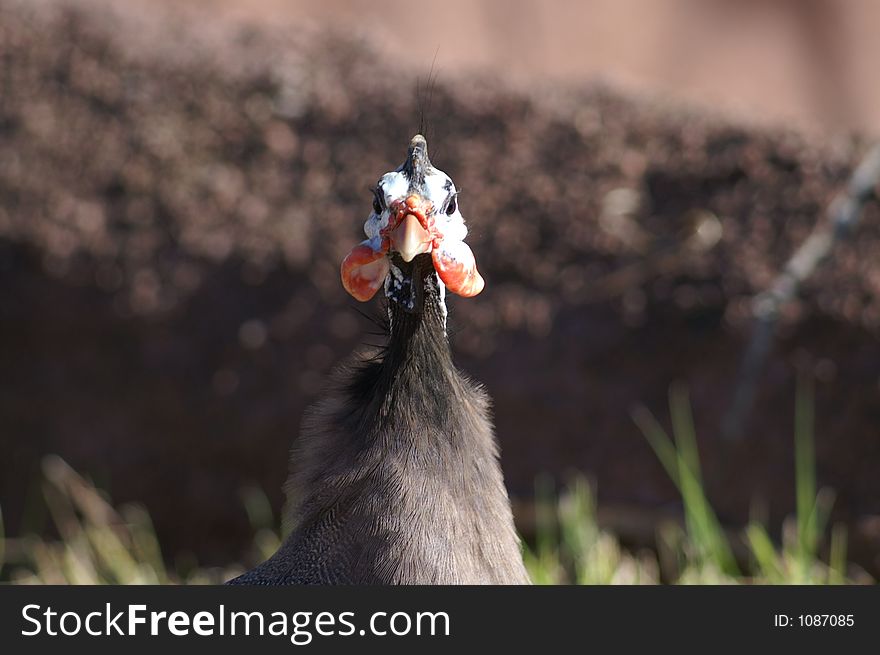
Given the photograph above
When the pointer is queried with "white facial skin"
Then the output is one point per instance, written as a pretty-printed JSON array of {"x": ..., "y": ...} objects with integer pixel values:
[{"x": 394, "y": 186}]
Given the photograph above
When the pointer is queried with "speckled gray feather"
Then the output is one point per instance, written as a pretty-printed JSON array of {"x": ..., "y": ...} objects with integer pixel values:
[{"x": 395, "y": 475}]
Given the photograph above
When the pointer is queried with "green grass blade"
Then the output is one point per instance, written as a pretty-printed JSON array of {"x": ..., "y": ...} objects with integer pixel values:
[
  {"x": 660, "y": 443},
  {"x": 682, "y": 463},
  {"x": 683, "y": 430},
  {"x": 837, "y": 555},
  {"x": 770, "y": 568},
  {"x": 806, "y": 510}
]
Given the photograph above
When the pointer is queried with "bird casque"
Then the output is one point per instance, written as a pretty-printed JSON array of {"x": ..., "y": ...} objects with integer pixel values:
[{"x": 395, "y": 475}]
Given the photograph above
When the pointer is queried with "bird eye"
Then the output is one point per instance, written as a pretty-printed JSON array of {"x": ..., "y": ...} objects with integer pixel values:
[
  {"x": 450, "y": 206},
  {"x": 377, "y": 203}
]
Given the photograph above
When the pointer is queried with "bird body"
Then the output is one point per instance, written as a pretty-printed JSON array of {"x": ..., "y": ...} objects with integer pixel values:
[{"x": 395, "y": 476}]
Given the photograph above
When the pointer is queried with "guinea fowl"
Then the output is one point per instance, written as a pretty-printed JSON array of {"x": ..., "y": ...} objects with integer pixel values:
[{"x": 395, "y": 476}]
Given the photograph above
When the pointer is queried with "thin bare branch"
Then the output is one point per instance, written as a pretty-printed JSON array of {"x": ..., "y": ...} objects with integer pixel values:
[{"x": 842, "y": 217}]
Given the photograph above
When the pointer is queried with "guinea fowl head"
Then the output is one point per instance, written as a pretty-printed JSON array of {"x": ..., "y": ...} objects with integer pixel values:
[{"x": 415, "y": 237}]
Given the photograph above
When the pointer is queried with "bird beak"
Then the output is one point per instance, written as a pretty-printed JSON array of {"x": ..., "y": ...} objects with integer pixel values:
[
  {"x": 411, "y": 230},
  {"x": 409, "y": 238}
]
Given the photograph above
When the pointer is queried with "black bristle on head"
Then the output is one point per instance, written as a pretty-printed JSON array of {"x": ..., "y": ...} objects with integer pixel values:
[{"x": 425, "y": 95}]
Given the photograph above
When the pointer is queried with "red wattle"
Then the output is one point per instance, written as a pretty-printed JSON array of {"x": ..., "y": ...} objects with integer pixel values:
[
  {"x": 456, "y": 266},
  {"x": 364, "y": 271}
]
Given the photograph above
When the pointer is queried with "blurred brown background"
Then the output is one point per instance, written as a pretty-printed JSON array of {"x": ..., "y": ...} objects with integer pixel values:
[
  {"x": 811, "y": 61},
  {"x": 178, "y": 182}
]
